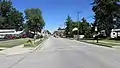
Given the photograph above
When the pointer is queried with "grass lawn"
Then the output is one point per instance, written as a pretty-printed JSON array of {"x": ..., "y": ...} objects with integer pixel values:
[
  {"x": 12, "y": 43},
  {"x": 112, "y": 41},
  {"x": 107, "y": 43}
]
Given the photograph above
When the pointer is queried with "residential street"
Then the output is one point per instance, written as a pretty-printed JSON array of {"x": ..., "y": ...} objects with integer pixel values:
[{"x": 64, "y": 53}]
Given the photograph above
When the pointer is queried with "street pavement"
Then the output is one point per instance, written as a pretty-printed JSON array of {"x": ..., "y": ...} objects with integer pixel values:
[{"x": 64, "y": 53}]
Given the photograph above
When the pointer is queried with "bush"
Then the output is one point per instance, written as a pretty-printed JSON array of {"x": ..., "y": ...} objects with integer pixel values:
[
  {"x": 29, "y": 41},
  {"x": 41, "y": 36},
  {"x": 28, "y": 45}
]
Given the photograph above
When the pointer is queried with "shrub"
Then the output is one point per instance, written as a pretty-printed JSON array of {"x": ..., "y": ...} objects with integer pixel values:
[
  {"x": 28, "y": 45},
  {"x": 41, "y": 36},
  {"x": 29, "y": 41}
]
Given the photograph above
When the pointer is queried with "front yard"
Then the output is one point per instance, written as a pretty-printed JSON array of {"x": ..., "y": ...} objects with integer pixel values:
[
  {"x": 12, "y": 43},
  {"x": 105, "y": 42}
]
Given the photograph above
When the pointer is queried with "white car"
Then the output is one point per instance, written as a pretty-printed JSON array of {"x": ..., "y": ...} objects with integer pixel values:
[{"x": 2, "y": 36}]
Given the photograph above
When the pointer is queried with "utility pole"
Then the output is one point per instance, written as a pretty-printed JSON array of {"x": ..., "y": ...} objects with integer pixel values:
[{"x": 78, "y": 24}]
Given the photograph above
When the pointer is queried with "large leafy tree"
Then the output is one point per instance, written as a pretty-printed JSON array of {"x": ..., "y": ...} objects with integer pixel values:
[
  {"x": 5, "y": 7},
  {"x": 9, "y": 16},
  {"x": 48, "y": 31},
  {"x": 105, "y": 13},
  {"x": 16, "y": 19},
  {"x": 34, "y": 19},
  {"x": 68, "y": 26},
  {"x": 84, "y": 28}
]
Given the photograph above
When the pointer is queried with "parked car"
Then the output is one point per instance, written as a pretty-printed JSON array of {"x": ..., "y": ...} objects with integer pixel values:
[
  {"x": 18, "y": 36},
  {"x": 30, "y": 35},
  {"x": 2, "y": 36},
  {"x": 10, "y": 37},
  {"x": 13, "y": 37},
  {"x": 24, "y": 36}
]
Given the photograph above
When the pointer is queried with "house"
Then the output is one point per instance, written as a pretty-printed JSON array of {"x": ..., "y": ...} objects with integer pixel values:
[
  {"x": 4, "y": 32},
  {"x": 115, "y": 33}
]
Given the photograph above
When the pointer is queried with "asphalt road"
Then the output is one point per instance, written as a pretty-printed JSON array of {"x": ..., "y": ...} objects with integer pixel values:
[{"x": 64, "y": 53}]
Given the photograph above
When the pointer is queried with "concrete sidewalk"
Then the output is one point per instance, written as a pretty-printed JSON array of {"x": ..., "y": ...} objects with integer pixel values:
[{"x": 15, "y": 50}]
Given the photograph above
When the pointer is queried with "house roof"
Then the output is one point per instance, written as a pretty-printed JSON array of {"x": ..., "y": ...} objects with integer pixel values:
[
  {"x": 6, "y": 30},
  {"x": 115, "y": 30}
]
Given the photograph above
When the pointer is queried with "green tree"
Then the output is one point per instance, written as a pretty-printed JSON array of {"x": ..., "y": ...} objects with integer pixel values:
[
  {"x": 105, "y": 11},
  {"x": 15, "y": 19},
  {"x": 5, "y": 7},
  {"x": 34, "y": 19},
  {"x": 48, "y": 31},
  {"x": 10, "y": 18},
  {"x": 68, "y": 26},
  {"x": 84, "y": 28}
]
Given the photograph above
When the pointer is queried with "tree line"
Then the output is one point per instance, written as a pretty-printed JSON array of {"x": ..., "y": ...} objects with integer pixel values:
[
  {"x": 11, "y": 18},
  {"x": 82, "y": 26},
  {"x": 106, "y": 15}
]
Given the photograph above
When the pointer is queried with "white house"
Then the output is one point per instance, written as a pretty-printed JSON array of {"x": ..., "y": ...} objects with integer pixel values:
[
  {"x": 115, "y": 33},
  {"x": 78, "y": 36},
  {"x": 4, "y": 32}
]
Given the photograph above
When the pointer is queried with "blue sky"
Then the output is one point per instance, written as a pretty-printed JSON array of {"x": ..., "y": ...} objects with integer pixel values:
[{"x": 55, "y": 11}]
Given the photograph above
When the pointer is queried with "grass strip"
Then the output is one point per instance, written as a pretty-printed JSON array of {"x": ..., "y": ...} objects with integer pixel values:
[
  {"x": 12, "y": 43},
  {"x": 100, "y": 44}
]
